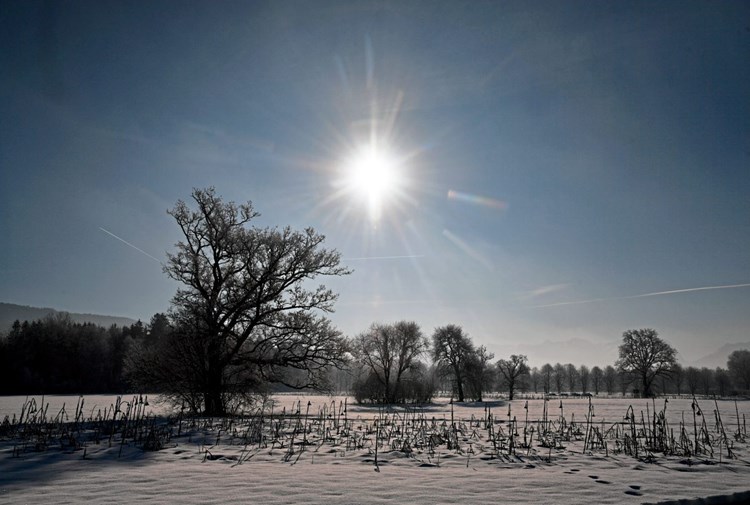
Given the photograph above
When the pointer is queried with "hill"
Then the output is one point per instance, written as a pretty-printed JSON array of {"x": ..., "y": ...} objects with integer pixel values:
[
  {"x": 9, "y": 312},
  {"x": 719, "y": 357}
]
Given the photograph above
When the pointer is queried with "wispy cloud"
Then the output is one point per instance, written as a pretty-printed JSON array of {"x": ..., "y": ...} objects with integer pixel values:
[
  {"x": 545, "y": 290},
  {"x": 643, "y": 295},
  {"x": 368, "y": 258},
  {"x": 129, "y": 244},
  {"x": 468, "y": 249}
]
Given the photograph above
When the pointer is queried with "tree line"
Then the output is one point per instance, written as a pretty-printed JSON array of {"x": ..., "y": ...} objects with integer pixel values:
[
  {"x": 55, "y": 355},
  {"x": 388, "y": 363}
]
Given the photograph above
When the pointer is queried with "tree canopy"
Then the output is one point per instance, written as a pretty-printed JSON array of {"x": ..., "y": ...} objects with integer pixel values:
[
  {"x": 739, "y": 367},
  {"x": 389, "y": 352},
  {"x": 646, "y": 356},
  {"x": 511, "y": 370}
]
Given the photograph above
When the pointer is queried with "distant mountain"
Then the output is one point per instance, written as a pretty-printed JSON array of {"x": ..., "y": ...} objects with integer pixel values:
[
  {"x": 9, "y": 312},
  {"x": 720, "y": 356}
]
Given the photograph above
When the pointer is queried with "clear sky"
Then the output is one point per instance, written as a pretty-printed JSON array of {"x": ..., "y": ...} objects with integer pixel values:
[{"x": 543, "y": 153}]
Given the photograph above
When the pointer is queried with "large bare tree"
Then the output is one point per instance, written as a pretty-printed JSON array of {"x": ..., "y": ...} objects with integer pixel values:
[
  {"x": 646, "y": 356},
  {"x": 245, "y": 312}
]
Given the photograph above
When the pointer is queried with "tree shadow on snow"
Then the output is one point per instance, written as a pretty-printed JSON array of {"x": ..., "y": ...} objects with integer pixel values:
[{"x": 50, "y": 464}]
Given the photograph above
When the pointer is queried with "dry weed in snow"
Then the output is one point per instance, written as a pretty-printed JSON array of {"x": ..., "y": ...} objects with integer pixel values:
[{"x": 325, "y": 450}]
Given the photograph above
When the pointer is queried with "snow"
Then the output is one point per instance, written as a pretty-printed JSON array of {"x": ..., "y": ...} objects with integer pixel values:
[{"x": 193, "y": 468}]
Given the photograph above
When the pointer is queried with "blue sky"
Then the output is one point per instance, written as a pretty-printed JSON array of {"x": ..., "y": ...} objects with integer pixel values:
[{"x": 613, "y": 139}]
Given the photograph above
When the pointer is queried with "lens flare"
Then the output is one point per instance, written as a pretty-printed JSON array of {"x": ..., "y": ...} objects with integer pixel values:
[{"x": 477, "y": 200}]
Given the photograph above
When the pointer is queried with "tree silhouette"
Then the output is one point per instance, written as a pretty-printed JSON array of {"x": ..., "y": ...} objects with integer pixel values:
[
  {"x": 646, "y": 356},
  {"x": 452, "y": 350},
  {"x": 389, "y": 352},
  {"x": 479, "y": 372},
  {"x": 597, "y": 377},
  {"x": 244, "y": 316},
  {"x": 547, "y": 372},
  {"x": 584, "y": 374},
  {"x": 511, "y": 369}
]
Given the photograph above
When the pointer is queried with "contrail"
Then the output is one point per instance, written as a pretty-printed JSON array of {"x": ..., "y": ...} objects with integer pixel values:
[
  {"x": 408, "y": 256},
  {"x": 704, "y": 288},
  {"x": 643, "y": 295},
  {"x": 131, "y": 245}
]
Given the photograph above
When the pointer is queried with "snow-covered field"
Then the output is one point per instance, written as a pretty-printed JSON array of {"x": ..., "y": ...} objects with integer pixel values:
[{"x": 328, "y": 456}]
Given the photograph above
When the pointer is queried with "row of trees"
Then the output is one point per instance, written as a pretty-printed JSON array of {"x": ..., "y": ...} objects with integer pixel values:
[
  {"x": 388, "y": 363},
  {"x": 390, "y": 357},
  {"x": 568, "y": 378}
]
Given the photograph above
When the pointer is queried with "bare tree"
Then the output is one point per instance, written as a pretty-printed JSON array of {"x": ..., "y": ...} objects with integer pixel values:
[
  {"x": 692, "y": 379},
  {"x": 559, "y": 377},
  {"x": 511, "y": 370},
  {"x": 571, "y": 377},
  {"x": 677, "y": 378},
  {"x": 479, "y": 372},
  {"x": 646, "y": 356},
  {"x": 610, "y": 379},
  {"x": 739, "y": 368},
  {"x": 452, "y": 349},
  {"x": 244, "y": 314},
  {"x": 535, "y": 379},
  {"x": 389, "y": 351},
  {"x": 547, "y": 372},
  {"x": 583, "y": 378},
  {"x": 597, "y": 379},
  {"x": 706, "y": 380},
  {"x": 722, "y": 380}
]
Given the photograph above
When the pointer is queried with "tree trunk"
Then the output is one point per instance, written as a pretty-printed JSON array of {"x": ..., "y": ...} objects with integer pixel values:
[
  {"x": 646, "y": 386},
  {"x": 212, "y": 396},
  {"x": 459, "y": 386},
  {"x": 213, "y": 403}
]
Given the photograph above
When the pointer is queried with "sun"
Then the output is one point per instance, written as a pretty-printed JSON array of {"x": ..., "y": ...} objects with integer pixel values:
[
  {"x": 373, "y": 177},
  {"x": 372, "y": 174}
]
